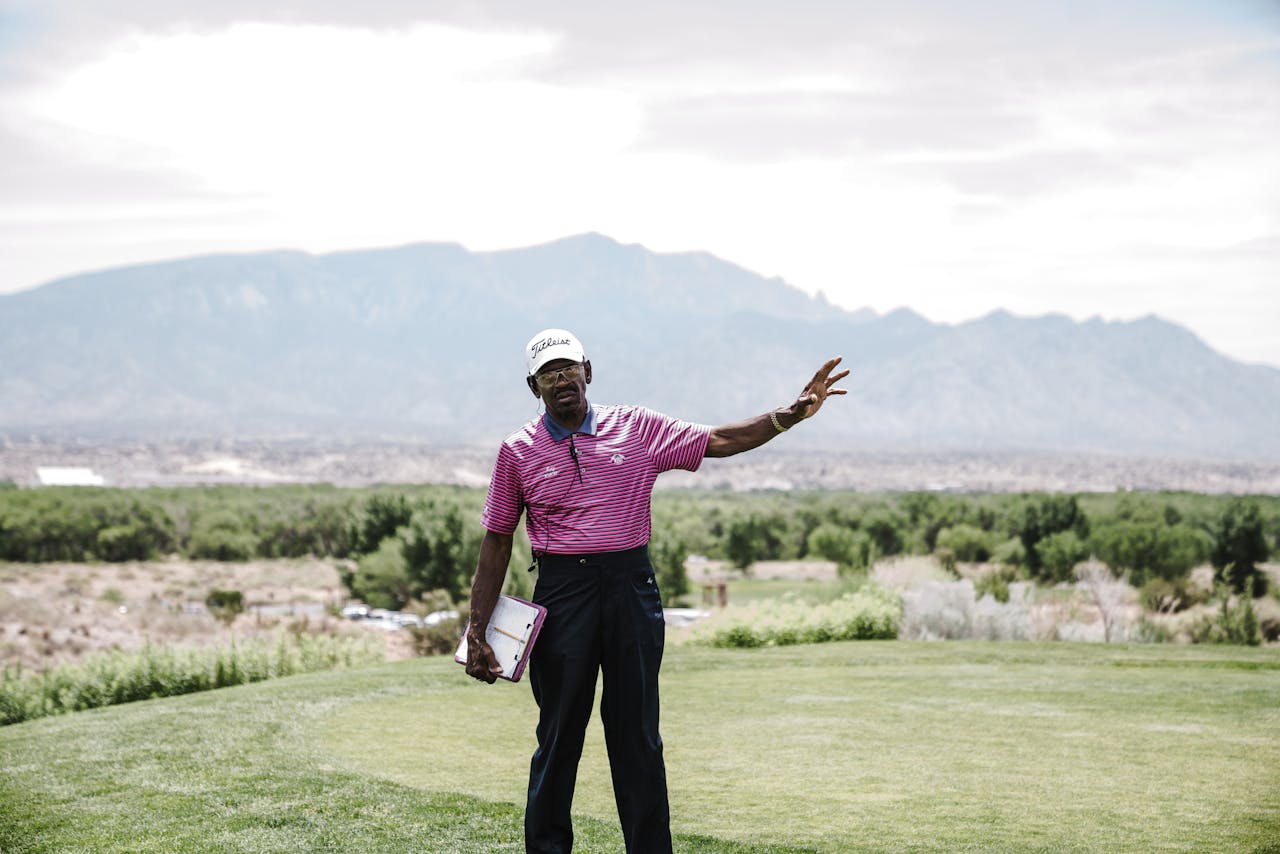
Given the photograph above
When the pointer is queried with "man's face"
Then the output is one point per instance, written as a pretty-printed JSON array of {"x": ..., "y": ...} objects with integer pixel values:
[{"x": 562, "y": 385}]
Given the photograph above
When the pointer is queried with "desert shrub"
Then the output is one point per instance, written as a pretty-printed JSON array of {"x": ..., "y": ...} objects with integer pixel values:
[
  {"x": 121, "y": 677},
  {"x": 440, "y": 639},
  {"x": 1109, "y": 594},
  {"x": 947, "y": 560},
  {"x": 966, "y": 542},
  {"x": 226, "y": 605},
  {"x": 1169, "y": 596},
  {"x": 1147, "y": 630},
  {"x": 1235, "y": 622},
  {"x": 1270, "y": 629},
  {"x": 872, "y": 612},
  {"x": 993, "y": 584},
  {"x": 950, "y": 610}
]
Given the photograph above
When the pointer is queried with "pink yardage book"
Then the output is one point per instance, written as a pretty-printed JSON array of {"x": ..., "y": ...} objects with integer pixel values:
[{"x": 512, "y": 630}]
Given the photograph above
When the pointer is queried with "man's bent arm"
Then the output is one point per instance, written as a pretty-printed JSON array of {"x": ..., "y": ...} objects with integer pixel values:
[
  {"x": 742, "y": 436},
  {"x": 491, "y": 571}
]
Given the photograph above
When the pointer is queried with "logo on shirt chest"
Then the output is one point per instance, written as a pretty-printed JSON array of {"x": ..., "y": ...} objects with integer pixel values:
[
  {"x": 550, "y": 472},
  {"x": 617, "y": 459}
]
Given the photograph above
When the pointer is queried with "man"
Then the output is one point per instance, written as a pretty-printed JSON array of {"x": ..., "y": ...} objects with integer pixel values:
[{"x": 583, "y": 474}]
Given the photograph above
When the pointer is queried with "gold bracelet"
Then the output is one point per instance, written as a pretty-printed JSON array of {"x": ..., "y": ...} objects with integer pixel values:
[{"x": 773, "y": 416}]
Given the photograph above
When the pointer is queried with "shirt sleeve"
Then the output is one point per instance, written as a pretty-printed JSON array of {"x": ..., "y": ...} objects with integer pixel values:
[
  {"x": 674, "y": 444},
  {"x": 503, "y": 504}
]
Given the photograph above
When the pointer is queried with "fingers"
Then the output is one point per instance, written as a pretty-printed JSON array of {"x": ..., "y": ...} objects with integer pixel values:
[
  {"x": 821, "y": 387},
  {"x": 482, "y": 664},
  {"x": 821, "y": 374}
]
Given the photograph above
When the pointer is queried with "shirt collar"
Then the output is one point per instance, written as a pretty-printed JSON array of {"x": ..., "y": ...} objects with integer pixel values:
[{"x": 559, "y": 433}]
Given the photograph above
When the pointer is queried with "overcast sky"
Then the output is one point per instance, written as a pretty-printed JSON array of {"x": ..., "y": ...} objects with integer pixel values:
[{"x": 1110, "y": 158}]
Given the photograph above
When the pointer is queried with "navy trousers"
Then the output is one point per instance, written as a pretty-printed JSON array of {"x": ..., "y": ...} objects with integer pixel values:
[{"x": 604, "y": 615}]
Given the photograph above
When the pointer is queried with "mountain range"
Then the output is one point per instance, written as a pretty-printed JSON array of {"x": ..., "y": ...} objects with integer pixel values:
[{"x": 425, "y": 342}]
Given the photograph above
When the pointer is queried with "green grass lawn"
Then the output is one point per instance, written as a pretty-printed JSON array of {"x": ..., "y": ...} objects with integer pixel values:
[{"x": 871, "y": 746}]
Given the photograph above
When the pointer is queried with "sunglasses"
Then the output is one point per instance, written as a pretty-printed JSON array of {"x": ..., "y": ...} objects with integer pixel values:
[{"x": 547, "y": 379}]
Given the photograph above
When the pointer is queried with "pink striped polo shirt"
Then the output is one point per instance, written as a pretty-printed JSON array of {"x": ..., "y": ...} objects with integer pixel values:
[{"x": 600, "y": 502}]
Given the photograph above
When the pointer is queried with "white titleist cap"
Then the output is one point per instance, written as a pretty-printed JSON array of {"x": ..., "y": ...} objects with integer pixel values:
[{"x": 549, "y": 345}]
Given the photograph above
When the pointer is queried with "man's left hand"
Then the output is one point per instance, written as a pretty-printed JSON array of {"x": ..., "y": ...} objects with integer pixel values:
[{"x": 819, "y": 388}]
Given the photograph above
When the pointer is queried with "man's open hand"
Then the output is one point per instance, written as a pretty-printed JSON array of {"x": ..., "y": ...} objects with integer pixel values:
[{"x": 819, "y": 388}]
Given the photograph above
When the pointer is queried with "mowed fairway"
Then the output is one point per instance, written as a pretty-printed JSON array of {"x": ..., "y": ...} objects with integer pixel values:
[{"x": 872, "y": 746}]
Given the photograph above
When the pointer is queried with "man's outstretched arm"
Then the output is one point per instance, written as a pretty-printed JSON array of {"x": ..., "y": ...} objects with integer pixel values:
[
  {"x": 491, "y": 571},
  {"x": 753, "y": 432}
]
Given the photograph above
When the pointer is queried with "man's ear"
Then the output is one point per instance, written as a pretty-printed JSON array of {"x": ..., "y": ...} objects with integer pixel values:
[
  {"x": 533, "y": 386},
  {"x": 587, "y": 369}
]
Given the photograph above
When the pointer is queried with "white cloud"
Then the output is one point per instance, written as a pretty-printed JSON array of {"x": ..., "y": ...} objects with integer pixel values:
[{"x": 957, "y": 161}]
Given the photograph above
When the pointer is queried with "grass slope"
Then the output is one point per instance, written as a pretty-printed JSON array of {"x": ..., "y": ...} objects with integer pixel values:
[{"x": 842, "y": 747}]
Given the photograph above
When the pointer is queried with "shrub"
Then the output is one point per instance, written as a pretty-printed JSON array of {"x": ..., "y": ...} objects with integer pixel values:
[
  {"x": 947, "y": 559},
  {"x": 950, "y": 610},
  {"x": 1110, "y": 594},
  {"x": 967, "y": 542},
  {"x": 226, "y": 605},
  {"x": 120, "y": 677},
  {"x": 382, "y": 579},
  {"x": 668, "y": 556},
  {"x": 1235, "y": 622},
  {"x": 872, "y": 612},
  {"x": 1270, "y": 628},
  {"x": 1059, "y": 552},
  {"x": 1169, "y": 596},
  {"x": 993, "y": 584},
  {"x": 850, "y": 550},
  {"x": 440, "y": 639},
  {"x": 1010, "y": 553},
  {"x": 1146, "y": 548}
]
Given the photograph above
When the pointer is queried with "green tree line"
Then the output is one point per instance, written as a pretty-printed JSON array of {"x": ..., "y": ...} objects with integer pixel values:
[{"x": 406, "y": 543}]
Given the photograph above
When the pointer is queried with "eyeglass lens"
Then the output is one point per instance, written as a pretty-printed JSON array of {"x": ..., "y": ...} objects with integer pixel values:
[{"x": 549, "y": 378}]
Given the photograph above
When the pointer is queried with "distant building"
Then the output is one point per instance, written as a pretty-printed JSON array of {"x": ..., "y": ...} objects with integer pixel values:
[{"x": 67, "y": 476}]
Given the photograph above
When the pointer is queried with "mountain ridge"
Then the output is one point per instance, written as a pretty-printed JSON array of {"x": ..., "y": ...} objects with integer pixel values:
[{"x": 422, "y": 341}]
